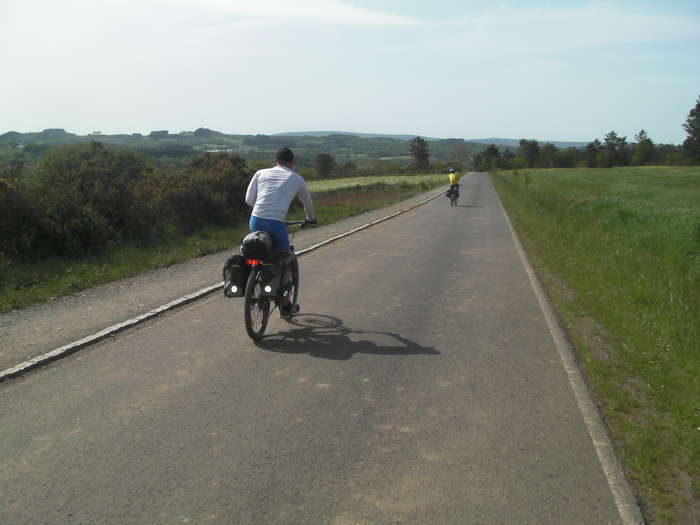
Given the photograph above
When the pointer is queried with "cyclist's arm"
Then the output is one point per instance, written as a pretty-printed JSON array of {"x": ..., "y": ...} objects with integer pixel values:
[
  {"x": 305, "y": 198},
  {"x": 251, "y": 194}
]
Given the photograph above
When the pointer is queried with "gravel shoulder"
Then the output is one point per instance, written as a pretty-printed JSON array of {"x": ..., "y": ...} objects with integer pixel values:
[{"x": 32, "y": 331}]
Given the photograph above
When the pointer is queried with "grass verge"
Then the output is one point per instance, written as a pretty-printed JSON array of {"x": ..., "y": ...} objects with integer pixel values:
[
  {"x": 619, "y": 253},
  {"x": 24, "y": 284}
]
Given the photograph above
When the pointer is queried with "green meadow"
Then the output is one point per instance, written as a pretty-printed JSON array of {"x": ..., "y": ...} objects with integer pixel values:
[{"x": 619, "y": 252}]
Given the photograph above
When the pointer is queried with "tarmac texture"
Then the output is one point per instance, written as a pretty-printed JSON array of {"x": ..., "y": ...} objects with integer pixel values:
[{"x": 419, "y": 384}]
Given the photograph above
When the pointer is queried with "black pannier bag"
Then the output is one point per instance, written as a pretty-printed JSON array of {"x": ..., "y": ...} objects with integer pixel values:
[
  {"x": 272, "y": 278},
  {"x": 235, "y": 276},
  {"x": 274, "y": 269},
  {"x": 256, "y": 245}
]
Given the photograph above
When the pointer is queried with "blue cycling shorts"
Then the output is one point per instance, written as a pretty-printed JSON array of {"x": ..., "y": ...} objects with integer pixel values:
[{"x": 278, "y": 230}]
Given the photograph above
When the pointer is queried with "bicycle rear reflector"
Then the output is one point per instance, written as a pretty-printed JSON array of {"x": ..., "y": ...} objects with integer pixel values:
[{"x": 253, "y": 262}]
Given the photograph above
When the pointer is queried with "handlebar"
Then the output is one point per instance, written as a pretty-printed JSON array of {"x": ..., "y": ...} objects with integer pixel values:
[{"x": 303, "y": 224}]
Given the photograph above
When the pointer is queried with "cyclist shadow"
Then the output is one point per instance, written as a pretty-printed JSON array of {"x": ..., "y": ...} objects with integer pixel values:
[
  {"x": 468, "y": 206},
  {"x": 326, "y": 337}
]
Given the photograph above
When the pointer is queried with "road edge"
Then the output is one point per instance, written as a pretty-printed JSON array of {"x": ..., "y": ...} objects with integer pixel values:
[
  {"x": 71, "y": 348},
  {"x": 625, "y": 500}
]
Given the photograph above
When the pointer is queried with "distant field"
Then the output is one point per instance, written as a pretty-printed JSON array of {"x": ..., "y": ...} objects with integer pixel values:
[
  {"x": 428, "y": 181},
  {"x": 619, "y": 251}
]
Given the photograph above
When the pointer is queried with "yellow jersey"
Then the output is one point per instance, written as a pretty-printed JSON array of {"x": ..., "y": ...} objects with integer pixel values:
[{"x": 453, "y": 178}]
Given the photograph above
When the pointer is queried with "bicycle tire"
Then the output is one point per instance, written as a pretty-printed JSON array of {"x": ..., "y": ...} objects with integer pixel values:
[
  {"x": 256, "y": 309},
  {"x": 294, "y": 295}
]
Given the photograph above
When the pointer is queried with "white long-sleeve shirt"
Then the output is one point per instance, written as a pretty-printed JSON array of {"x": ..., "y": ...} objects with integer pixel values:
[{"x": 271, "y": 191}]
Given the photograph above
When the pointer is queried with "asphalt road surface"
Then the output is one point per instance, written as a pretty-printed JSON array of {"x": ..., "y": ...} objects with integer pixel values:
[{"x": 419, "y": 384}]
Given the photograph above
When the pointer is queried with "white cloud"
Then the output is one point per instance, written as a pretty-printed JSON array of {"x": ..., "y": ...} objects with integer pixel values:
[
  {"x": 333, "y": 12},
  {"x": 270, "y": 65}
]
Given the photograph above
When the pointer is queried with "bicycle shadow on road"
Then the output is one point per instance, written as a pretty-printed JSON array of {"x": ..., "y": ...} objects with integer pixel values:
[
  {"x": 324, "y": 336},
  {"x": 468, "y": 206}
]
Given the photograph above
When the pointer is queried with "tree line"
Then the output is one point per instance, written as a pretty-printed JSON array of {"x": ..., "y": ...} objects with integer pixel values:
[{"x": 613, "y": 150}]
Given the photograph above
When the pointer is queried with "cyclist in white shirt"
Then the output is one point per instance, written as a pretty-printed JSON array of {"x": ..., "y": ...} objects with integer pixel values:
[{"x": 270, "y": 194}]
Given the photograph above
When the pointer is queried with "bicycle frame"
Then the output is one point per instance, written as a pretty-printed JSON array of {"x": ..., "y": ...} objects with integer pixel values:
[{"x": 265, "y": 288}]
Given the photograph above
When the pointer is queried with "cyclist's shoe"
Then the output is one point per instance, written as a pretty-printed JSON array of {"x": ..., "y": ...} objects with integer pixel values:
[{"x": 289, "y": 310}]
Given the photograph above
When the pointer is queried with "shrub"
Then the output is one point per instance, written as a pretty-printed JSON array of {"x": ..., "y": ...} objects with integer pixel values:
[
  {"x": 90, "y": 196},
  {"x": 211, "y": 191},
  {"x": 18, "y": 224}
]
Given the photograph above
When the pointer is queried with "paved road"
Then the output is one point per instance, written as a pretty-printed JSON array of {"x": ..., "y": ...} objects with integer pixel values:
[
  {"x": 420, "y": 385},
  {"x": 33, "y": 331}
]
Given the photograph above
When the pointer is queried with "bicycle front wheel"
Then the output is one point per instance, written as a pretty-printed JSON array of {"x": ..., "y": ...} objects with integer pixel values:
[
  {"x": 294, "y": 292},
  {"x": 256, "y": 308}
]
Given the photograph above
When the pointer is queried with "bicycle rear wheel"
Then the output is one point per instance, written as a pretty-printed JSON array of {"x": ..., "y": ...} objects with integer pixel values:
[{"x": 256, "y": 308}]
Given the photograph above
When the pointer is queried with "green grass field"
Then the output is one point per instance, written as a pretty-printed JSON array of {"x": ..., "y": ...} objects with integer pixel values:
[
  {"x": 25, "y": 284},
  {"x": 619, "y": 252}
]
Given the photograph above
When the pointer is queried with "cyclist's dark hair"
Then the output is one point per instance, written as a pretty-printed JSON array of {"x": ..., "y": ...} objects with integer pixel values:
[{"x": 285, "y": 156}]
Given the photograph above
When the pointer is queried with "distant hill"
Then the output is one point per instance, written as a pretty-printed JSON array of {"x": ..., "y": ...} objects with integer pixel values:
[
  {"x": 206, "y": 132},
  {"x": 60, "y": 136},
  {"x": 361, "y": 149},
  {"x": 352, "y": 134},
  {"x": 51, "y": 135},
  {"x": 514, "y": 143}
]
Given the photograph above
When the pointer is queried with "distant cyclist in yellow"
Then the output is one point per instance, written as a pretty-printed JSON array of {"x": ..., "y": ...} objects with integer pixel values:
[
  {"x": 453, "y": 192},
  {"x": 454, "y": 178}
]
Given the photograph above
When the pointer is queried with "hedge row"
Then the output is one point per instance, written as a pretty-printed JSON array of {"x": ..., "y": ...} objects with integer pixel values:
[{"x": 85, "y": 197}]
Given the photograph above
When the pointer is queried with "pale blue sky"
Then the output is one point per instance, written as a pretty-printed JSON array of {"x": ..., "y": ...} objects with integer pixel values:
[
  {"x": 446, "y": 9},
  {"x": 538, "y": 69}
]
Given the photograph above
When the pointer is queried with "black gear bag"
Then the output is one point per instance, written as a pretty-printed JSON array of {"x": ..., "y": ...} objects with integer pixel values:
[{"x": 235, "y": 276}]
